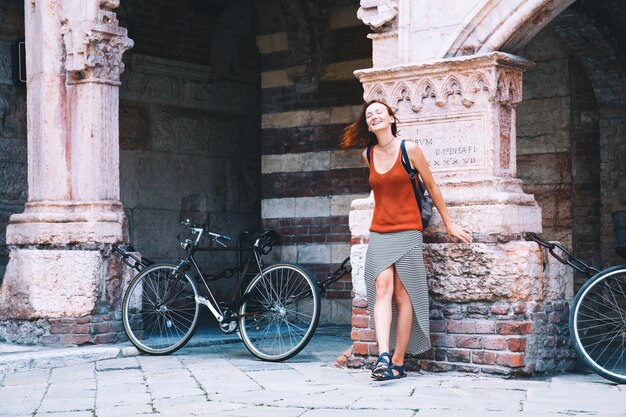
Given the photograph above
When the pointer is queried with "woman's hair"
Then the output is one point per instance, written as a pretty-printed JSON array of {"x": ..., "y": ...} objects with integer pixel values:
[{"x": 356, "y": 132}]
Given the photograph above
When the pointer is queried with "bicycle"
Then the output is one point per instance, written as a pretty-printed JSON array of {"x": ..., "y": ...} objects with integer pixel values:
[
  {"x": 597, "y": 315},
  {"x": 275, "y": 315}
]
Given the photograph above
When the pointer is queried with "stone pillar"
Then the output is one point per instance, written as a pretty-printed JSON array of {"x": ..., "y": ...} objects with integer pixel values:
[
  {"x": 497, "y": 305},
  {"x": 59, "y": 272}
]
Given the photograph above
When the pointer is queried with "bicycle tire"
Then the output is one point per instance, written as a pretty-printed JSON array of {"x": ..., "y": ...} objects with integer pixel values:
[
  {"x": 152, "y": 325},
  {"x": 598, "y": 323},
  {"x": 280, "y": 312}
]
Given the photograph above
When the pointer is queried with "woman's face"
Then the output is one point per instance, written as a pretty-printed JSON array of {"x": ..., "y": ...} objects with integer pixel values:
[{"x": 378, "y": 118}]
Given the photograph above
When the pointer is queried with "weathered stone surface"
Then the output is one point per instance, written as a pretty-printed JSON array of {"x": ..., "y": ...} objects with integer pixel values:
[
  {"x": 357, "y": 260},
  {"x": 243, "y": 187},
  {"x": 12, "y": 112},
  {"x": 6, "y": 70},
  {"x": 233, "y": 97},
  {"x": 24, "y": 332},
  {"x": 483, "y": 272},
  {"x": 13, "y": 170},
  {"x": 185, "y": 175},
  {"x": 134, "y": 127},
  {"x": 44, "y": 283}
]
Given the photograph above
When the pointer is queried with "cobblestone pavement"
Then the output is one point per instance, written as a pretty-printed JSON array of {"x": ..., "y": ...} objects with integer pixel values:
[{"x": 226, "y": 380}]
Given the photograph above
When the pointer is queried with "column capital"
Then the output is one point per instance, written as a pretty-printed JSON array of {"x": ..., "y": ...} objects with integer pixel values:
[
  {"x": 438, "y": 87},
  {"x": 379, "y": 15},
  {"x": 94, "y": 45}
]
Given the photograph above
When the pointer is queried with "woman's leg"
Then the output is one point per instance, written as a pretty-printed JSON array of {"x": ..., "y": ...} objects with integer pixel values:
[
  {"x": 382, "y": 308},
  {"x": 404, "y": 309}
]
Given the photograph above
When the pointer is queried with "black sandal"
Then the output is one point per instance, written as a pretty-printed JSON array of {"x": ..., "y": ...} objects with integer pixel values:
[
  {"x": 388, "y": 373},
  {"x": 382, "y": 365}
]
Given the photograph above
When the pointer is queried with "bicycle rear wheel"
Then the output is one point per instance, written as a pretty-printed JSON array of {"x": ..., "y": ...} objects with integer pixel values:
[
  {"x": 598, "y": 323},
  {"x": 281, "y": 312},
  {"x": 159, "y": 311}
]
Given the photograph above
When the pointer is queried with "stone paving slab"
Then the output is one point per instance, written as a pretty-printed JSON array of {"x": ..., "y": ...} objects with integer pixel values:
[
  {"x": 226, "y": 380},
  {"x": 52, "y": 358}
]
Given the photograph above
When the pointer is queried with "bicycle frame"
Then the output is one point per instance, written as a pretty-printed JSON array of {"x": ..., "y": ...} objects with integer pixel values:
[{"x": 191, "y": 247}]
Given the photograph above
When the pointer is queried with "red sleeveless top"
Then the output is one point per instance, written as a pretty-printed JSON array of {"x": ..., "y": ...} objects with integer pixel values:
[{"x": 395, "y": 208}]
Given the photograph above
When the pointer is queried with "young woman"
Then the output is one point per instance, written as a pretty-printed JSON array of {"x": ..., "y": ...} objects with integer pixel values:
[{"x": 395, "y": 277}]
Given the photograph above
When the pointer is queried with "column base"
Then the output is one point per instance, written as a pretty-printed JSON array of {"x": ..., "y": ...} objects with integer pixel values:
[
  {"x": 67, "y": 297},
  {"x": 494, "y": 309},
  {"x": 58, "y": 223}
]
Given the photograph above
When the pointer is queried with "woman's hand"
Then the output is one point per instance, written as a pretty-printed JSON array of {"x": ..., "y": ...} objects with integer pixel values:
[{"x": 457, "y": 233}]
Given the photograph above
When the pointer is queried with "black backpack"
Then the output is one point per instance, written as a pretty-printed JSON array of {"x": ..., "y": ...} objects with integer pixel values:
[{"x": 424, "y": 202}]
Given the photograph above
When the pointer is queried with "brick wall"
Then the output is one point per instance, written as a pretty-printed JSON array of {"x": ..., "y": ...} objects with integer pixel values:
[
  {"x": 483, "y": 338},
  {"x": 13, "y": 173},
  {"x": 308, "y": 96}
]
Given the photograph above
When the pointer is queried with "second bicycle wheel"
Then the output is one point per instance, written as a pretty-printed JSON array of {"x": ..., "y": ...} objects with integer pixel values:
[
  {"x": 159, "y": 310},
  {"x": 281, "y": 312},
  {"x": 598, "y": 323}
]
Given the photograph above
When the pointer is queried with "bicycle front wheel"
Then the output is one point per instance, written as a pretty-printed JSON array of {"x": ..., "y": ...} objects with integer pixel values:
[
  {"x": 159, "y": 310},
  {"x": 598, "y": 323},
  {"x": 280, "y": 312}
]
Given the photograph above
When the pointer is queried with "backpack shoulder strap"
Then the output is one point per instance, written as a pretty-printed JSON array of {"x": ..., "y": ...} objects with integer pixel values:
[
  {"x": 412, "y": 174},
  {"x": 405, "y": 161}
]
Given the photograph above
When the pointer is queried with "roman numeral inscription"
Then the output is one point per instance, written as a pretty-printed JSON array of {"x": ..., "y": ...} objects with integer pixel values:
[{"x": 449, "y": 143}]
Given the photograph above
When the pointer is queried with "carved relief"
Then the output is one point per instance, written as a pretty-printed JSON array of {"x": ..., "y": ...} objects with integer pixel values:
[
  {"x": 509, "y": 90},
  {"x": 380, "y": 15},
  {"x": 509, "y": 95},
  {"x": 94, "y": 49},
  {"x": 432, "y": 92},
  {"x": 377, "y": 93},
  {"x": 479, "y": 87},
  {"x": 427, "y": 96},
  {"x": 401, "y": 99}
]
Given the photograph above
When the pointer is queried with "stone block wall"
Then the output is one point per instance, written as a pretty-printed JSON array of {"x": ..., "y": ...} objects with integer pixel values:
[
  {"x": 543, "y": 134},
  {"x": 586, "y": 171},
  {"x": 190, "y": 128},
  {"x": 309, "y": 95},
  {"x": 13, "y": 173}
]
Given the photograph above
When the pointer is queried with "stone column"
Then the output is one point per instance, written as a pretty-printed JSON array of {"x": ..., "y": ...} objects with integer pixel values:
[
  {"x": 497, "y": 305},
  {"x": 58, "y": 269}
]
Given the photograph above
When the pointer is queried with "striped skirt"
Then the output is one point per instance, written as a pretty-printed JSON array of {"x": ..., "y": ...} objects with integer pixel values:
[{"x": 404, "y": 249}]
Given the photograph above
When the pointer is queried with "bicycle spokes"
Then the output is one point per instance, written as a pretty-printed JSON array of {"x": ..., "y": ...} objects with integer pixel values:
[
  {"x": 280, "y": 312},
  {"x": 159, "y": 310},
  {"x": 600, "y": 323}
]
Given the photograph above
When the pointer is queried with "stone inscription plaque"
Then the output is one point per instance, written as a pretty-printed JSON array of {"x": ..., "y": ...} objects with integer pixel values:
[{"x": 449, "y": 143}]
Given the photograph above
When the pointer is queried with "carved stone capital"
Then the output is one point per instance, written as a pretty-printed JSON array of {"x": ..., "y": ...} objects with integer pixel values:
[
  {"x": 94, "y": 49},
  {"x": 449, "y": 85},
  {"x": 380, "y": 15}
]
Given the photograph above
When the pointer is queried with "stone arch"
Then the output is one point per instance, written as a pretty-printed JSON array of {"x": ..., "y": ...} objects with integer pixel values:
[{"x": 494, "y": 25}]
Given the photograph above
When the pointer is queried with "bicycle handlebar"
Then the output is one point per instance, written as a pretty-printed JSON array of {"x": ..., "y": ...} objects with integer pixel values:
[{"x": 195, "y": 227}]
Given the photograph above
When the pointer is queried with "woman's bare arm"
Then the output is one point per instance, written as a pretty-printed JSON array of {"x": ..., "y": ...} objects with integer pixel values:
[{"x": 418, "y": 160}]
